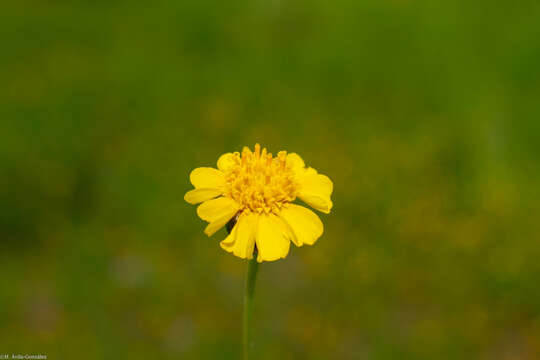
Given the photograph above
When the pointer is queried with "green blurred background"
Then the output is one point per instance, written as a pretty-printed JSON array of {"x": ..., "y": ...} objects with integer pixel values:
[{"x": 425, "y": 114}]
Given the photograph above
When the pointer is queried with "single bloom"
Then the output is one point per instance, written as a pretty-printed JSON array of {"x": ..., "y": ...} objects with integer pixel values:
[{"x": 258, "y": 190}]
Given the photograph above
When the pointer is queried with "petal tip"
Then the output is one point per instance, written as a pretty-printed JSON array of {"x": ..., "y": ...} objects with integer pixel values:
[
  {"x": 206, "y": 177},
  {"x": 327, "y": 209},
  {"x": 188, "y": 199}
]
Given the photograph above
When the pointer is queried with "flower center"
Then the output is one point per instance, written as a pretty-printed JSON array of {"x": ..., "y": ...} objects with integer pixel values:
[{"x": 260, "y": 182}]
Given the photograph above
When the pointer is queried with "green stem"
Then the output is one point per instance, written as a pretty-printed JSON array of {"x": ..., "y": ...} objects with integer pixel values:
[{"x": 251, "y": 275}]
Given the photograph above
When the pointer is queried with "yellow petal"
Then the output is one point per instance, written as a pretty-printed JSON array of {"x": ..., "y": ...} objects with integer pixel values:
[
  {"x": 315, "y": 190},
  {"x": 305, "y": 225},
  {"x": 212, "y": 210},
  {"x": 199, "y": 195},
  {"x": 317, "y": 202},
  {"x": 217, "y": 212},
  {"x": 207, "y": 177},
  {"x": 213, "y": 227},
  {"x": 271, "y": 238},
  {"x": 241, "y": 240},
  {"x": 295, "y": 161},
  {"x": 227, "y": 244},
  {"x": 226, "y": 161}
]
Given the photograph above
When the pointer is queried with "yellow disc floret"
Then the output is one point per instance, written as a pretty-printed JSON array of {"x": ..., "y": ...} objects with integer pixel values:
[{"x": 259, "y": 182}]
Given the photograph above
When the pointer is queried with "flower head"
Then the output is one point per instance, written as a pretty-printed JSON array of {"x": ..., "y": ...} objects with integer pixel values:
[{"x": 258, "y": 190}]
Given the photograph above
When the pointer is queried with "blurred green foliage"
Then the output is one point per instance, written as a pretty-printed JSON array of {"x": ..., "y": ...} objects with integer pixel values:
[{"x": 425, "y": 114}]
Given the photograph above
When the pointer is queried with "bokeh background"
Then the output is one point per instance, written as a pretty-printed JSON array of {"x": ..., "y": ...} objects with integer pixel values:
[{"x": 425, "y": 114}]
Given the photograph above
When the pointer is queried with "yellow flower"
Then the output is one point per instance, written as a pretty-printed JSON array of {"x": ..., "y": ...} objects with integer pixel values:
[{"x": 259, "y": 191}]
